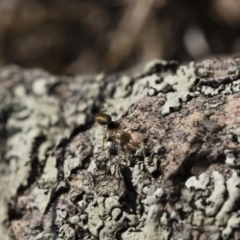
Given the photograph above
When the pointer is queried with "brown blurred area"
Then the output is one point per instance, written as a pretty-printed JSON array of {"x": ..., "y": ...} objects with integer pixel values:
[{"x": 83, "y": 36}]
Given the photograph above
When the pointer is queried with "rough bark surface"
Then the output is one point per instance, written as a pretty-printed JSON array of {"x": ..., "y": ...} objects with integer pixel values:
[{"x": 166, "y": 169}]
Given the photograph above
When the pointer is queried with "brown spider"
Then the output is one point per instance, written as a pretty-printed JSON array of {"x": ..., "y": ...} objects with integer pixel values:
[{"x": 114, "y": 131}]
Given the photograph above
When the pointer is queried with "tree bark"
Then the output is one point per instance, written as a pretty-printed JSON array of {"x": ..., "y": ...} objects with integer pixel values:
[{"x": 165, "y": 167}]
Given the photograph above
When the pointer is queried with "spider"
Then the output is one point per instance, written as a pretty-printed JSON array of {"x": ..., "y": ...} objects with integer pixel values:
[{"x": 114, "y": 131}]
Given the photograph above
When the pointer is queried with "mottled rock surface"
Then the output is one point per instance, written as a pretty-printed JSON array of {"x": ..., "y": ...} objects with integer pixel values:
[{"x": 169, "y": 171}]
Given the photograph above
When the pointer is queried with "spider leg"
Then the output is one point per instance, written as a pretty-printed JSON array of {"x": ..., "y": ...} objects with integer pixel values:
[{"x": 104, "y": 139}]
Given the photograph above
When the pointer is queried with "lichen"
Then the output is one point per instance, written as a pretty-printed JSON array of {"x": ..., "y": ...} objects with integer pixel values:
[
  {"x": 216, "y": 199},
  {"x": 200, "y": 183}
]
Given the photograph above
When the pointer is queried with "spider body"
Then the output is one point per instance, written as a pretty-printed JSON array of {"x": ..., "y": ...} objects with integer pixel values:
[{"x": 114, "y": 131}]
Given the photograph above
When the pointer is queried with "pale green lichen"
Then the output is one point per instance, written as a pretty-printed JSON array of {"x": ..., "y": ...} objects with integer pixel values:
[
  {"x": 232, "y": 159},
  {"x": 216, "y": 199},
  {"x": 41, "y": 198},
  {"x": 200, "y": 183},
  {"x": 235, "y": 132},
  {"x": 182, "y": 84},
  {"x": 218, "y": 212},
  {"x": 50, "y": 172},
  {"x": 232, "y": 224},
  {"x": 233, "y": 185}
]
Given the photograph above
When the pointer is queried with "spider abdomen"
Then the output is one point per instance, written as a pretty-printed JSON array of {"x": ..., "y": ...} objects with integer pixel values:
[{"x": 103, "y": 119}]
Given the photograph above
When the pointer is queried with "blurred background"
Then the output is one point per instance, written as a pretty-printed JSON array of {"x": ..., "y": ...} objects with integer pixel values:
[{"x": 83, "y": 36}]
